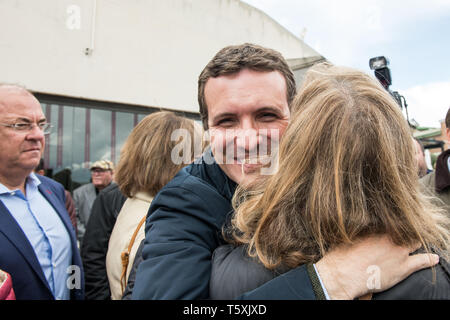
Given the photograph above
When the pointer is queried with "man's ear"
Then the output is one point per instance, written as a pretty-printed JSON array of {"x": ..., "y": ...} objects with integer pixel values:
[{"x": 447, "y": 133}]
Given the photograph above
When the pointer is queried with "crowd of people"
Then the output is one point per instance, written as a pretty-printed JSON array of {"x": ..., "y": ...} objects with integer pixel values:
[{"x": 290, "y": 195}]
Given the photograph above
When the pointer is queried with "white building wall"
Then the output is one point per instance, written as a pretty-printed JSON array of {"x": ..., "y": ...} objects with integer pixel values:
[{"x": 145, "y": 52}]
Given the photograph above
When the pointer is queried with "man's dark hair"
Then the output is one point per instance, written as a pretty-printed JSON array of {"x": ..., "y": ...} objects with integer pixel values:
[
  {"x": 40, "y": 166},
  {"x": 447, "y": 119},
  {"x": 233, "y": 59}
]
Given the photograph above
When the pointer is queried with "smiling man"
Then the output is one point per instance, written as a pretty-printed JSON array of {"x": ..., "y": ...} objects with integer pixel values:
[
  {"x": 37, "y": 240},
  {"x": 246, "y": 111},
  {"x": 244, "y": 94}
]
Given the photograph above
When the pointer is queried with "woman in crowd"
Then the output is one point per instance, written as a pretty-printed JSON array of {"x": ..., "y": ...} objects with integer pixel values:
[
  {"x": 151, "y": 156},
  {"x": 346, "y": 172}
]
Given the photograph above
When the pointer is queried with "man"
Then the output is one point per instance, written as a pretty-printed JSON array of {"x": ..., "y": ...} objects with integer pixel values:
[
  {"x": 422, "y": 168},
  {"x": 38, "y": 245},
  {"x": 244, "y": 96},
  {"x": 437, "y": 183},
  {"x": 84, "y": 196}
]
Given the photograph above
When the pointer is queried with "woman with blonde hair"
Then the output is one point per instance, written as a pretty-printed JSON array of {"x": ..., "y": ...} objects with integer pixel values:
[
  {"x": 149, "y": 159},
  {"x": 346, "y": 171}
]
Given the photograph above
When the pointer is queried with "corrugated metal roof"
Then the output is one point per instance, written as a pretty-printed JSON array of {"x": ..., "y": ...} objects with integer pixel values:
[
  {"x": 306, "y": 62},
  {"x": 427, "y": 133}
]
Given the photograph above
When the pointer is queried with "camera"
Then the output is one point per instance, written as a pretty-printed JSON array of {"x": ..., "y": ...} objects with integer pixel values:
[
  {"x": 380, "y": 65},
  {"x": 382, "y": 72}
]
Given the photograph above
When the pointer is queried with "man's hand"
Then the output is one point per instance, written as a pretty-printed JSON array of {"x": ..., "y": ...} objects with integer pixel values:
[{"x": 372, "y": 265}]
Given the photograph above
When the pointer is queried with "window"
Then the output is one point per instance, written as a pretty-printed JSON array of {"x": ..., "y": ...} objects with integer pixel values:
[{"x": 82, "y": 135}]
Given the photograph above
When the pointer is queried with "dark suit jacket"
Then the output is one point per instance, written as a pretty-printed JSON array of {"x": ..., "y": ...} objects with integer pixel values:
[{"x": 18, "y": 258}]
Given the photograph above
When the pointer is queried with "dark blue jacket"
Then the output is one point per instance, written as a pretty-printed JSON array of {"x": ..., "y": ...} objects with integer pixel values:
[
  {"x": 183, "y": 228},
  {"x": 234, "y": 273},
  {"x": 18, "y": 258}
]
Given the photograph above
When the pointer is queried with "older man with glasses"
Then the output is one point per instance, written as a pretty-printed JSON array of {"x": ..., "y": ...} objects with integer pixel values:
[
  {"x": 84, "y": 196},
  {"x": 38, "y": 245}
]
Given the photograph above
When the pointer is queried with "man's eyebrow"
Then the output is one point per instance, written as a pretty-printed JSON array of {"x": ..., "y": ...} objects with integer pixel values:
[
  {"x": 232, "y": 114},
  {"x": 271, "y": 109},
  {"x": 223, "y": 115},
  {"x": 19, "y": 119},
  {"x": 26, "y": 120}
]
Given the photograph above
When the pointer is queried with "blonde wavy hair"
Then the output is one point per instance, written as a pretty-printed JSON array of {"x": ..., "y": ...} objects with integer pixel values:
[
  {"x": 146, "y": 162},
  {"x": 346, "y": 170}
]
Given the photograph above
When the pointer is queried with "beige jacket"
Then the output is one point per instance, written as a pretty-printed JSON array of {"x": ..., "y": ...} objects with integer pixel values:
[{"x": 132, "y": 212}]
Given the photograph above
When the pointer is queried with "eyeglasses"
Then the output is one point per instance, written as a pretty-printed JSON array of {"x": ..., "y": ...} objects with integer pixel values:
[
  {"x": 45, "y": 127},
  {"x": 97, "y": 170}
]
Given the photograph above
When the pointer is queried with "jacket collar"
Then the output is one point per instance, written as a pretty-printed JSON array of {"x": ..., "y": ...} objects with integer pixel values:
[
  {"x": 144, "y": 196},
  {"x": 214, "y": 175}
]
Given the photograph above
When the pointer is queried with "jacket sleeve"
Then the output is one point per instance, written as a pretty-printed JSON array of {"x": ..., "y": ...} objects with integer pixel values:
[
  {"x": 95, "y": 243},
  {"x": 182, "y": 230},
  {"x": 295, "y": 284},
  {"x": 235, "y": 274}
]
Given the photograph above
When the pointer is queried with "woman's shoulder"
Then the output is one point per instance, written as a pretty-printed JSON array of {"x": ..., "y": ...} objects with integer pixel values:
[{"x": 234, "y": 273}]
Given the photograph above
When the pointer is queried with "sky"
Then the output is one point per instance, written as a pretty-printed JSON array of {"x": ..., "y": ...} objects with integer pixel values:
[{"x": 414, "y": 35}]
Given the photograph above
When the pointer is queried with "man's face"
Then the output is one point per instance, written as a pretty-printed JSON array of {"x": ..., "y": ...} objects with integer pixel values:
[
  {"x": 101, "y": 178},
  {"x": 20, "y": 150},
  {"x": 247, "y": 114}
]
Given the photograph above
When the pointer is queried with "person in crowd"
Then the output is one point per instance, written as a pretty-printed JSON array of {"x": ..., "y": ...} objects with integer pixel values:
[
  {"x": 84, "y": 196},
  {"x": 6, "y": 287},
  {"x": 437, "y": 183},
  {"x": 64, "y": 177},
  {"x": 146, "y": 165},
  {"x": 40, "y": 168},
  {"x": 244, "y": 93},
  {"x": 364, "y": 184},
  {"x": 94, "y": 247},
  {"x": 70, "y": 206},
  {"x": 422, "y": 169},
  {"x": 38, "y": 242}
]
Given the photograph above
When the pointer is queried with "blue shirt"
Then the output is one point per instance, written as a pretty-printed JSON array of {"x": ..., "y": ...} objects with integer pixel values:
[{"x": 45, "y": 231}]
